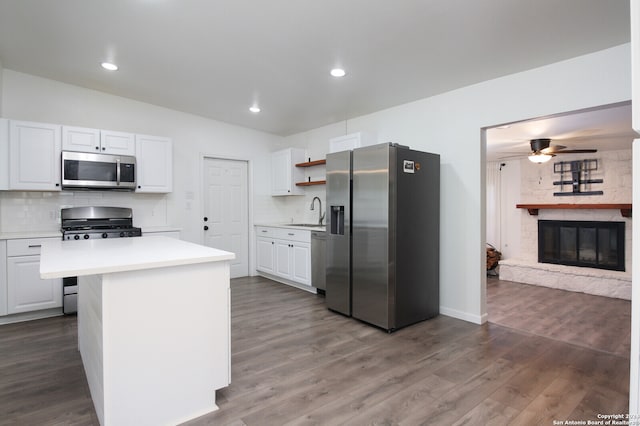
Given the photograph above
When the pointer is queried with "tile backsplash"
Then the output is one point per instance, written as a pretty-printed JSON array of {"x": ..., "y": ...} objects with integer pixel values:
[{"x": 40, "y": 211}]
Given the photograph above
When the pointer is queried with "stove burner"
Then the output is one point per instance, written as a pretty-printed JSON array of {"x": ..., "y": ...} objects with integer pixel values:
[{"x": 84, "y": 223}]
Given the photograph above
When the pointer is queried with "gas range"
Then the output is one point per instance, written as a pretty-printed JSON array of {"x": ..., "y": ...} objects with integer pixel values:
[{"x": 84, "y": 223}]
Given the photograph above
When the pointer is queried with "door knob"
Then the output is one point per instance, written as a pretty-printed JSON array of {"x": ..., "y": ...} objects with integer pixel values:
[
  {"x": 206, "y": 228},
  {"x": 206, "y": 218}
]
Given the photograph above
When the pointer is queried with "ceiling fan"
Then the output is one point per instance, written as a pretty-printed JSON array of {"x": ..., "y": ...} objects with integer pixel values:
[{"x": 542, "y": 150}]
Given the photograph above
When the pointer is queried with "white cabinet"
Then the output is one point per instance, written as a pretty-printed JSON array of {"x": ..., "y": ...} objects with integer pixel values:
[
  {"x": 117, "y": 143},
  {"x": 265, "y": 255},
  {"x": 283, "y": 258},
  {"x": 350, "y": 141},
  {"x": 284, "y": 173},
  {"x": 80, "y": 139},
  {"x": 4, "y": 154},
  {"x": 284, "y": 254},
  {"x": 293, "y": 261},
  {"x": 154, "y": 157},
  {"x": 3, "y": 277},
  {"x": 84, "y": 139},
  {"x": 301, "y": 263},
  {"x": 34, "y": 156},
  {"x": 26, "y": 291}
]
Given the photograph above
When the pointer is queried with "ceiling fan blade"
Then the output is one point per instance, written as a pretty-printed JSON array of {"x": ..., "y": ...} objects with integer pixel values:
[
  {"x": 577, "y": 151},
  {"x": 552, "y": 149}
]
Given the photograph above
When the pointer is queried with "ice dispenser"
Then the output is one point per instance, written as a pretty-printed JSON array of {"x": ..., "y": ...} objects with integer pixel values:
[{"x": 337, "y": 220}]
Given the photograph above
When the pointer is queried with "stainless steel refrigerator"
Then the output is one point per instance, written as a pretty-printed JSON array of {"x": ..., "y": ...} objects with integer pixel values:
[{"x": 383, "y": 235}]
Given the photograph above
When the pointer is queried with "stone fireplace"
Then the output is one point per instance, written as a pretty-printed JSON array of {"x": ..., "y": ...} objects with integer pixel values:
[{"x": 595, "y": 257}]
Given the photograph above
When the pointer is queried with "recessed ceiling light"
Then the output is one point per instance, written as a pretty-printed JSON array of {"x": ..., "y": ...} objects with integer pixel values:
[
  {"x": 338, "y": 72},
  {"x": 109, "y": 66},
  {"x": 254, "y": 109}
]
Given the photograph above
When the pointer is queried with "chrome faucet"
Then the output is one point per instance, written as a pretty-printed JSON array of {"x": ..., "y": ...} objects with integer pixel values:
[{"x": 320, "y": 214}]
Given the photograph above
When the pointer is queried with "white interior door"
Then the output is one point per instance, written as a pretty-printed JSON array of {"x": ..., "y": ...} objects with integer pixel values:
[{"x": 225, "y": 221}]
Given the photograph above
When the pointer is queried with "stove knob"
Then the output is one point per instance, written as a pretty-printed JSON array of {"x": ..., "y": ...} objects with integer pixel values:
[
  {"x": 104, "y": 235},
  {"x": 130, "y": 234},
  {"x": 76, "y": 237},
  {"x": 122, "y": 234},
  {"x": 86, "y": 236}
]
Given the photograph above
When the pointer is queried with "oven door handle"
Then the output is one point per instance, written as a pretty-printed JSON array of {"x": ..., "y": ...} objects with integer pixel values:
[{"x": 118, "y": 172}]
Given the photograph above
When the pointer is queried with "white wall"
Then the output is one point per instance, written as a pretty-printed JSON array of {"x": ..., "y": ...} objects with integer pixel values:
[
  {"x": 450, "y": 125},
  {"x": 27, "y": 97}
]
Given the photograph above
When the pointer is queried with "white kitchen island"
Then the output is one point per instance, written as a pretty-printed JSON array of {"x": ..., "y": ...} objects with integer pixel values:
[{"x": 153, "y": 324}]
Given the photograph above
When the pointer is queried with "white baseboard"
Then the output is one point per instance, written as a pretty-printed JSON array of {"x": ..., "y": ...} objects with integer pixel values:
[{"x": 465, "y": 316}]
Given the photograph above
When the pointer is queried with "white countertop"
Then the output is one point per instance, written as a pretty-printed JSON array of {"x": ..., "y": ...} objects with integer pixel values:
[
  {"x": 293, "y": 226},
  {"x": 60, "y": 259},
  {"x": 31, "y": 234},
  {"x": 152, "y": 229}
]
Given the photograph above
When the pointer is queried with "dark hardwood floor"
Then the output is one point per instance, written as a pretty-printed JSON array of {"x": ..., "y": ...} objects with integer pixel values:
[{"x": 294, "y": 362}]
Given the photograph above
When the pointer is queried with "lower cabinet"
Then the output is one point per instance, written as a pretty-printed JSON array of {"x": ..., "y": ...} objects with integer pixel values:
[
  {"x": 284, "y": 253},
  {"x": 26, "y": 291},
  {"x": 265, "y": 255}
]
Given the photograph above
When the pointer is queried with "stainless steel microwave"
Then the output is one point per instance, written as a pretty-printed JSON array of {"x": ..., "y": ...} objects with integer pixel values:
[{"x": 83, "y": 170}]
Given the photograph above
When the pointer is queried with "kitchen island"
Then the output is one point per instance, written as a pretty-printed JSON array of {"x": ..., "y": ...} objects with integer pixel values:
[{"x": 153, "y": 324}]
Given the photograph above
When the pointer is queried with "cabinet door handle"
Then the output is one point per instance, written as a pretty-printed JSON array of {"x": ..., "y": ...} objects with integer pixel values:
[
  {"x": 264, "y": 230},
  {"x": 291, "y": 233},
  {"x": 35, "y": 245}
]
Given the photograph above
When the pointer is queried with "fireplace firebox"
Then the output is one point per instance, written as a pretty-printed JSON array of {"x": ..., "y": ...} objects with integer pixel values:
[{"x": 582, "y": 243}]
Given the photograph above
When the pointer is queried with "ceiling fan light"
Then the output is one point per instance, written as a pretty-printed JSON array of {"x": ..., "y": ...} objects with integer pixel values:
[{"x": 539, "y": 158}]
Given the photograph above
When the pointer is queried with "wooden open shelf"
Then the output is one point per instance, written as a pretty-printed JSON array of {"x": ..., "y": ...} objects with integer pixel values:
[
  {"x": 312, "y": 163},
  {"x": 313, "y": 182},
  {"x": 625, "y": 209}
]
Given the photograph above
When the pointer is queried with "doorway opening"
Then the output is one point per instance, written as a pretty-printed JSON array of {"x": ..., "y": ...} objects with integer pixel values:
[{"x": 540, "y": 306}]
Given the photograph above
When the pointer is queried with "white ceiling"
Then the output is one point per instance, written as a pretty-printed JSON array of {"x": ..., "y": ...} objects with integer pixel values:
[
  {"x": 216, "y": 58},
  {"x": 606, "y": 128}
]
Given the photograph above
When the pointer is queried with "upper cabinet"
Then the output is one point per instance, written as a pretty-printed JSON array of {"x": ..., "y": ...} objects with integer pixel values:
[
  {"x": 34, "y": 156},
  {"x": 154, "y": 157},
  {"x": 635, "y": 63},
  {"x": 93, "y": 140},
  {"x": 30, "y": 154},
  {"x": 284, "y": 173},
  {"x": 350, "y": 141},
  {"x": 118, "y": 143},
  {"x": 80, "y": 139}
]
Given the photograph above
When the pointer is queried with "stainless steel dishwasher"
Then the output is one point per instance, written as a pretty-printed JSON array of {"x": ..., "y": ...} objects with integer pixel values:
[{"x": 318, "y": 272}]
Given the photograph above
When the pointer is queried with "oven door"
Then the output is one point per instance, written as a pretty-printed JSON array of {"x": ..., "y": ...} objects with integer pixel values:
[{"x": 82, "y": 170}]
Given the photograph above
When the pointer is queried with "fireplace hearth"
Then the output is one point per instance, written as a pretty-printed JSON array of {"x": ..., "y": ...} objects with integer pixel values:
[{"x": 582, "y": 243}]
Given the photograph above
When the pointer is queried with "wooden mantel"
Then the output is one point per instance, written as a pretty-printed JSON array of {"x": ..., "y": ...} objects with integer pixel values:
[{"x": 625, "y": 209}]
